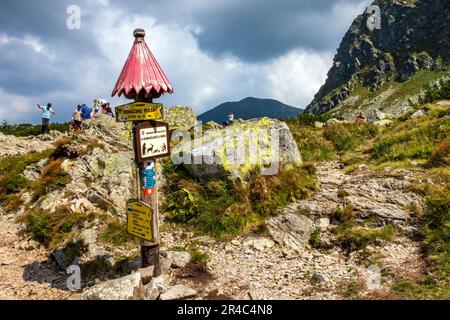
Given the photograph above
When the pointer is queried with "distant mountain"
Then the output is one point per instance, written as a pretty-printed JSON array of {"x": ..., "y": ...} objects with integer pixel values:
[{"x": 250, "y": 108}]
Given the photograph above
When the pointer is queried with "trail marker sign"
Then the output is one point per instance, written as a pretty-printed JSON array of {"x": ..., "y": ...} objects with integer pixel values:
[
  {"x": 139, "y": 111},
  {"x": 151, "y": 141},
  {"x": 139, "y": 219}
]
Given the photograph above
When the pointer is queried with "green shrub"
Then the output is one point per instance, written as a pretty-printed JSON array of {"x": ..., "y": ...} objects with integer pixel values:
[
  {"x": 311, "y": 143},
  {"x": 25, "y": 130},
  {"x": 12, "y": 179},
  {"x": 348, "y": 136},
  {"x": 436, "y": 232},
  {"x": 51, "y": 229},
  {"x": 116, "y": 234},
  {"x": 223, "y": 208},
  {"x": 353, "y": 238},
  {"x": 315, "y": 238},
  {"x": 436, "y": 93},
  {"x": 414, "y": 139}
]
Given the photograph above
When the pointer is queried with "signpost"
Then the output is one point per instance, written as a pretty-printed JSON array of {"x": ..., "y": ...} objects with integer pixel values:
[
  {"x": 139, "y": 219},
  {"x": 142, "y": 80},
  {"x": 152, "y": 141},
  {"x": 139, "y": 111}
]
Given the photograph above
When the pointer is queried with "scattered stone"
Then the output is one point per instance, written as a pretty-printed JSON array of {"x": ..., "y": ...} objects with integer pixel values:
[
  {"x": 7, "y": 262},
  {"x": 418, "y": 114},
  {"x": 126, "y": 288},
  {"x": 383, "y": 122},
  {"x": 259, "y": 244},
  {"x": 146, "y": 274},
  {"x": 150, "y": 292},
  {"x": 319, "y": 278},
  {"x": 160, "y": 283},
  {"x": 165, "y": 264},
  {"x": 323, "y": 223},
  {"x": 291, "y": 230},
  {"x": 318, "y": 124},
  {"x": 178, "y": 292},
  {"x": 179, "y": 259}
]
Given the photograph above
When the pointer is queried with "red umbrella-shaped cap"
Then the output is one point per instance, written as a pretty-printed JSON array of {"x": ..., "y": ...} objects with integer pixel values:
[{"x": 141, "y": 74}]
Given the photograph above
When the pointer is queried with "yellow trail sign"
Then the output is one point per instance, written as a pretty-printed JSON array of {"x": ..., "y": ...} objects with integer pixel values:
[
  {"x": 139, "y": 111},
  {"x": 139, "y": 217}
]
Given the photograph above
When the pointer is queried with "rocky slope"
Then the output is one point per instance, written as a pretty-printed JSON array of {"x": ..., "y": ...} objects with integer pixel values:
[
  {"x": 305, "y": 251},
  {"x": 387, "y": 67}
]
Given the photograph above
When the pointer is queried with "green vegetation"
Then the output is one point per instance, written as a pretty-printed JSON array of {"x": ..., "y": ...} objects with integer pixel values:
[
  {"x": 198, "y": 256},
  {"x": 12, "y": 180},
  {"x": 322, "y": 144},
  {"x": 314, "y": 240},
  {"x": 116, "y": 234},
  {"x": 51, "y": 229},
  {"x": 413, "y": 139},
  {"x": 221, "y": 208},
  {"x": 25, "y": 130},
  {"x": 52, "y": 177},
  {"x": 436, "y": 93},
  {"x": 352, "y": 238}
]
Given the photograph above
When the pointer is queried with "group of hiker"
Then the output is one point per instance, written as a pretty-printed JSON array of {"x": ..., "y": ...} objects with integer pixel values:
[
  {"x": 80, "y": 114},
  {"x": 83, "y": 112}
]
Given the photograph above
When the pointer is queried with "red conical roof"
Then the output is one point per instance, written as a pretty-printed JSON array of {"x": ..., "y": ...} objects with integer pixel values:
[{"x": 141, "y": 74}]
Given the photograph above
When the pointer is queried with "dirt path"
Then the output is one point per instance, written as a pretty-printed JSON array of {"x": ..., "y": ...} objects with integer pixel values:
[
  {"x": 256, "y": 267},
  {"x": 24, "y": 271},
  {"x": 259, "y": 268}
]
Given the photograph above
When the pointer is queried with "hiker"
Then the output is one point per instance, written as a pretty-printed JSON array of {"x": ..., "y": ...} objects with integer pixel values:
[
  {"x": 107, "y": 109},
  {"x": 230, "y": 120},
  {"x": 46, "y": 113},
  {"x": 85, "y": 112},
  {"x": 76, "y": 118},
  {"x": 361, "y": 117},
  {"x": 97, "y": 104}
]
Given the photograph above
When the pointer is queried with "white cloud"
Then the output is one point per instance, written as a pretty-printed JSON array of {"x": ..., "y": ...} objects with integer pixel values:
[{"x": 199, "y": 79}]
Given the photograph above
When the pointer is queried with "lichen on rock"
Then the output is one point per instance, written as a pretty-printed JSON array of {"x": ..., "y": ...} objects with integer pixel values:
[{"x": 233, "y": 151}]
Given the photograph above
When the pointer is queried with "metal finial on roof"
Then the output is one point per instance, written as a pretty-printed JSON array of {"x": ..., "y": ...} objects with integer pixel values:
[{"x": 139, "y": 34}]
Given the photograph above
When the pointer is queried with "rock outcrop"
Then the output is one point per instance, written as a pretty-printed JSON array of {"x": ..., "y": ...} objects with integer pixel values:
[
  {"x": 413, "y": 36},
  {"x": 179, "y": 117},
  {"x": 233, "y": 151}
]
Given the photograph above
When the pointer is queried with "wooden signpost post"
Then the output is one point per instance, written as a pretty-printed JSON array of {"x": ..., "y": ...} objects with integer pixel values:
[{"x": 142, "y": 79}]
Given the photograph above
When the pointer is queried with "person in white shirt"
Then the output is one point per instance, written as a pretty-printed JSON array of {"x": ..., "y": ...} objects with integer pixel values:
[
  {"x": 98, "y": 103},
  {"x": 46, "y": 113}
]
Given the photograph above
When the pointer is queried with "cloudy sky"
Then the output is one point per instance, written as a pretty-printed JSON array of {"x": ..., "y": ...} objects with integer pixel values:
[{"x": 211, "y": 51}]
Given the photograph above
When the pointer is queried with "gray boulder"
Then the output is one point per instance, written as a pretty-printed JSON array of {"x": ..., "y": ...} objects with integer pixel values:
[
  {"x": 291, "y": 230},
  {"x": 179, "y": 117},
  {"x": 126, "y": 288},
  {"x": 233, "y": 151},
  {"x": 178, "y": 292}
]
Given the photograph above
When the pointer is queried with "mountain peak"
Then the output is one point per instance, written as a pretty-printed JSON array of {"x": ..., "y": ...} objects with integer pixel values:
[
  {"x": 249, "y": 108},
  {"x": 411, "y": 46}
]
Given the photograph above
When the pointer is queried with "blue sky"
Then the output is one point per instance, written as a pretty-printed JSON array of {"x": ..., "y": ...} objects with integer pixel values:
[{"x": 211, "y": 51}]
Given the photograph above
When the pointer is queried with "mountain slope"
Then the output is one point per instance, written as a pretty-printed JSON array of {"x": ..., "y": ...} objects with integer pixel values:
[
  {"x": 249, "y": 108},
  {"x": 386, "y": 68}
]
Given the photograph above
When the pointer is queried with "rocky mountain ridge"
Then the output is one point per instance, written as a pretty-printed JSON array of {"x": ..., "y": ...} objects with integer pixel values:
[{"x": 413, "y": 37}]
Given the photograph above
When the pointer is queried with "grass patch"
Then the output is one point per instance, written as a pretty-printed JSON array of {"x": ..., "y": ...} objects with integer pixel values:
[
  {"x": 116, "y": 234},
  {"x": 12, "y": 180},
  {"x": 198, "y": 256},
  {"x": 223, "y": 208},
  {"x": 52, "y": 177},
  {"x": 353, "y": 238},
  {"x": 413, "y": 139},
  {"x": 51, "y": 229}
]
